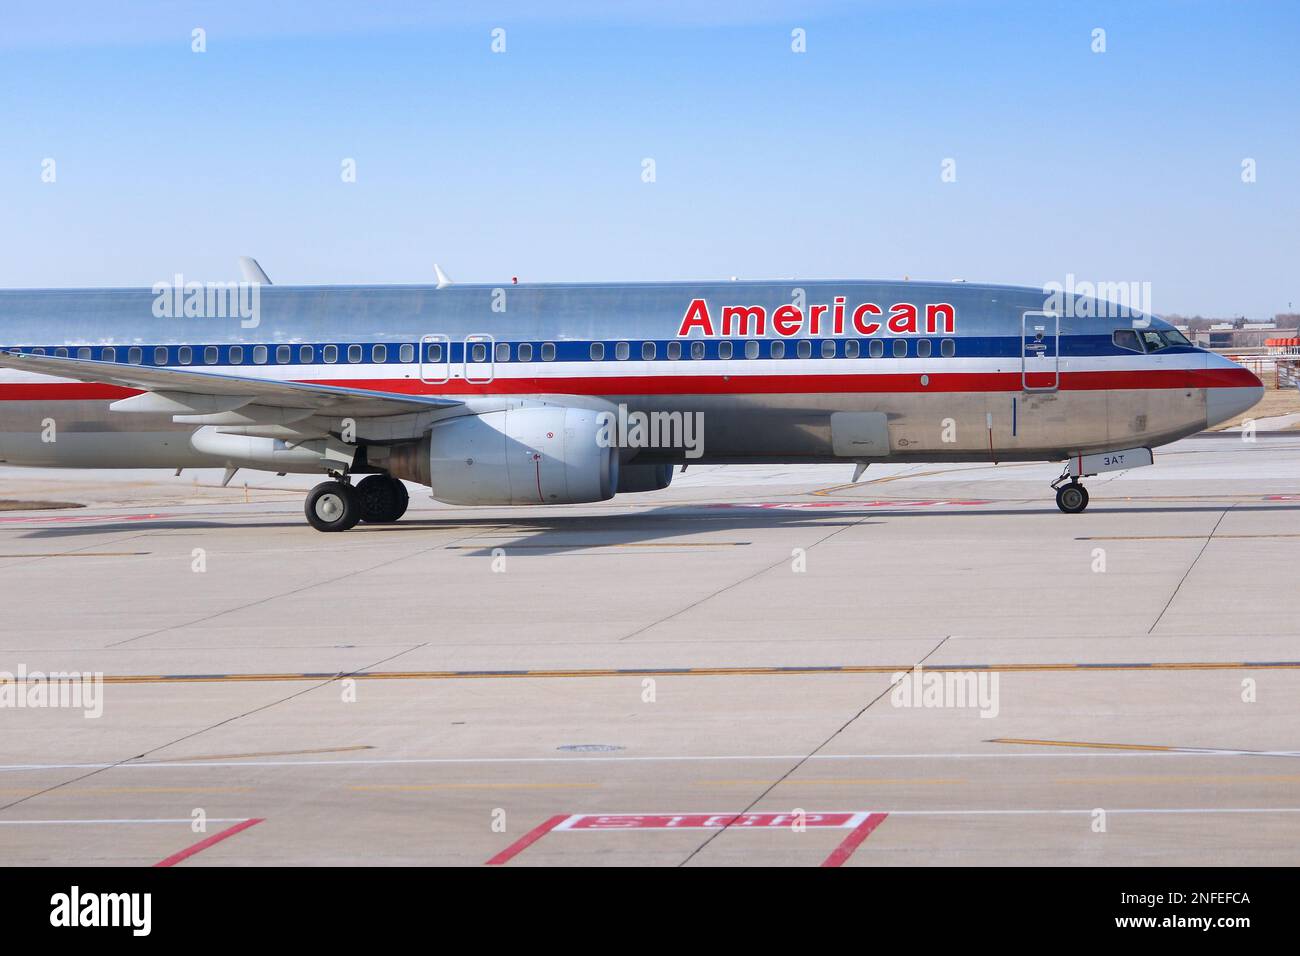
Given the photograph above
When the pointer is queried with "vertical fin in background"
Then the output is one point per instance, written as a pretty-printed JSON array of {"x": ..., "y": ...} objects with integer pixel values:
[{"x": 252, "y": 271}]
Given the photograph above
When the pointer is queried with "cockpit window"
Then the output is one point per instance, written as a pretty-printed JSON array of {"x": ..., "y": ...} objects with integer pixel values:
[
  {"x": 1126, "y": 339},
  {"x": 1174, "y": 337},
  {"x": 1153, "y": 340}
]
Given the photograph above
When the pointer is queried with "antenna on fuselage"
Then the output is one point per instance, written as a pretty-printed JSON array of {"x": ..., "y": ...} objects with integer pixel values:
[
  {"x": 252, "y": 271},
  {"x": 443, "y": 281}
]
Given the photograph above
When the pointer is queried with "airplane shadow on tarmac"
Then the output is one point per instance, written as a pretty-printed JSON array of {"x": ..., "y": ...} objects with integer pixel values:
[{"x": 557, "y": 533}]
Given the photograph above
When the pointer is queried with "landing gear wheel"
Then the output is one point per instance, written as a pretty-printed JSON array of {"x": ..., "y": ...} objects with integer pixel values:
[
  {"x": 382, "y": 499},
  {"x": 1072, "y": 498},
  {"x": 332, "y": 506}
]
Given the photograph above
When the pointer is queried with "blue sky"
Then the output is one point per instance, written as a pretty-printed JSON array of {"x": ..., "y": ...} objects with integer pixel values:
[{"x": 1117, "y": 166}]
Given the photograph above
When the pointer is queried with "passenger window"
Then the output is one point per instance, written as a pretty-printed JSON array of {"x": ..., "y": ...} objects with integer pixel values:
[
  {"x": 83, "y": 353},
  {"x": 525, "y": 351},
  {"x": 354, "y": 354},
  {"x": 379, "y": 354},
  {"x": 947, "y": 348},
  {"x": 306, "y": 354},
  {"x": 804, "y": 349},
  {"x": 877, "y": 348},
  {"x": 548, "y": 351},
  {"x": 38, "y": 351},
  {"x": 851, "y": 348},
  {"x": 330, "y": 353},
  {"x": 621, "y": 351},
  {"x": 135, "y": 356},
  {"x": 697, "y": 350},
  {"x": 236, "y": 355},
  {"x": 406, "y": 354},
  {"x": 108, "y": 355},
  {"x": 503, "y": 351},
  {"x": 778, "y": 349},
  {"x": 751, "y": 350},
  {"x": 479, "y": 352},
  {"x": 283, "y": 354},
  {"x": 1126, "y": 339},
  {"x": 63, "y": 353},
  {"x": 210, "y": 355},
  {"x": 185, "y": 354},
  {"x": 674, "y": 351},
  {"x": 724, "y": 350},
  {"x": 259, "y": 355},
  {"x": 648, "y": 351},
  {"x": 923, "y": 348},
  {"x": 900, "y": 348},
  {"x": 828, "y": 348},
  {"x": 597, "y": 351},
  {"x": 435, "y": 352}
]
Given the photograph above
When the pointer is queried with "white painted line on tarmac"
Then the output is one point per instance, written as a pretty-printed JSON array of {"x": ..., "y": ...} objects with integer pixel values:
[
  {"x": 399, "y": 761},
  {"x": 187, "y": 820}
]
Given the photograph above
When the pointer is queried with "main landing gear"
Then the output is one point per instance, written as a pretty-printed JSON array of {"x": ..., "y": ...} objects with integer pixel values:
[
  {"x": 1071, "y": 497},
  {"x": 337, "y": 506}
]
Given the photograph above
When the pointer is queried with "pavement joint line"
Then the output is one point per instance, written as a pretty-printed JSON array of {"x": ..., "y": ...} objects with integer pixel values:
[
  {"x": 127, "y": 761},
  {"x": 774, "y": 671},
  {"x": 291, "y": 592},
  {"x": 790, "y": 771},
  {"x": 744, "y": 580},
  {"x": 1183, "y": 580}
]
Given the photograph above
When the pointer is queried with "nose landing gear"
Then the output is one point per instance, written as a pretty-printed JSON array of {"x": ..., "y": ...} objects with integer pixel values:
[{"x": 1071, "y": 497}]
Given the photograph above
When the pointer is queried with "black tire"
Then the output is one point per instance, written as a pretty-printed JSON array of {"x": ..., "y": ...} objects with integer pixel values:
[
  {"x": 332, "y": 506},
  {"x": 383, "y": 499},
  {"x": 1072, "y": 498},
  {"x": 403, "y": 499}
]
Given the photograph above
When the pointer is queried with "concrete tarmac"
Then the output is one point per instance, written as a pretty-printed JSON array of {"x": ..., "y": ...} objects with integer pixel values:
[{"x": 713, "y": 674}]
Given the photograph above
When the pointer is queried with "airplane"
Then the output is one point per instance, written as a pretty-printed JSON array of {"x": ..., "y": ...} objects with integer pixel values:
[{"x": 517, "y": 394}]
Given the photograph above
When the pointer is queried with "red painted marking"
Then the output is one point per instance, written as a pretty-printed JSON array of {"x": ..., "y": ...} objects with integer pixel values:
[
  {"x": 202, "y": 845},
  {"x": 717, "y": 384},
  {"x": 527, "y": 840},
  {"x": 854, "y": 840},
  {"x": 796, "y": 505},
  {"x": 707, "y": 821},
  {"x": 68, "y": 518}
]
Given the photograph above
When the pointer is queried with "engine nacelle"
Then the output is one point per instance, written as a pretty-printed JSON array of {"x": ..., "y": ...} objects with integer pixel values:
[
  {"x": 546, "y": 454},
  {"x": 644, "y": 477},
  {"x": 269, "y": 454}
]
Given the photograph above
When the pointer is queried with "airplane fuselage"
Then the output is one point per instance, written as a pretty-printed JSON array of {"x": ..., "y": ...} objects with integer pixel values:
[{"x": 795, "y": 371}]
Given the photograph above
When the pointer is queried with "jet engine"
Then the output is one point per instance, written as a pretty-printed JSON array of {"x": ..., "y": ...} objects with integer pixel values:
[
  {"x": 542, "y": 454},
  {"x": 645, "y": 477}
]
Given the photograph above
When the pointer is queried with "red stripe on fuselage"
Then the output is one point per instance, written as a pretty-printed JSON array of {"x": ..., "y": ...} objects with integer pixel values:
[{"x": 892, "y": 382}]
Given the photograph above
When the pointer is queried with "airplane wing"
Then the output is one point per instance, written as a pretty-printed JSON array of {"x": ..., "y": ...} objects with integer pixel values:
[{"x": 182, "y": 391}]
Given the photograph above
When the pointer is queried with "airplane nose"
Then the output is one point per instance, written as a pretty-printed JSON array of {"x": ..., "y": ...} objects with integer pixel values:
[{"x": 1223, "y": 403}]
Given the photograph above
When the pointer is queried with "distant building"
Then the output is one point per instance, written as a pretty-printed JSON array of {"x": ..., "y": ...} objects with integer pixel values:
[{"x": 1252, "y": 335}]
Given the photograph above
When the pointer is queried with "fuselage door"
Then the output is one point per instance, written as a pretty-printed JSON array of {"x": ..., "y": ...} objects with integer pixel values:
[
  {"x": 435, "y": 359},
  {"x": 1040, "y": 369},
  {"x": 479, "y": 358}
]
